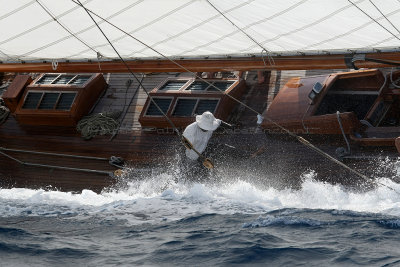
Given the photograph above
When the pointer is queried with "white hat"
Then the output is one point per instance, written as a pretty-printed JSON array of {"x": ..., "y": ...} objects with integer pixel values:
[{"x": 207, "y": 121}]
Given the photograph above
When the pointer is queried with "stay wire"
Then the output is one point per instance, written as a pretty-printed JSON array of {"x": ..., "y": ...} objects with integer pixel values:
[
  {"x": 384, "y": 16},
  {"x": 299, "y": 138},
  {"x": 365, "y": 13},
  {"x": 129, "y": 69},
  {"x": 64, "y": 27},
  {"x": 169, "y": 59},
  {"x": 270, "y": 59}
]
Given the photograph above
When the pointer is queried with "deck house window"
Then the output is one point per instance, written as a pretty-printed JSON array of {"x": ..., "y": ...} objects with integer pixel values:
[
  {"x": 188, "y": 107},
  {"x": 184, "y": 107},
  {"x": 65, "y": 101},
  {"x": 206, "y": 105},
  {"x": 183, "y": 97},
  {"x": 163, "y": 103},
  {"x": 32, "y": 100},
  {"x": 210, "y": 86},
  {"x": 49, "y": 100},
  {"x": 63, "y": 79},
  {"x": 198, "y": 86},
  {"x": 172, "y": 85}
]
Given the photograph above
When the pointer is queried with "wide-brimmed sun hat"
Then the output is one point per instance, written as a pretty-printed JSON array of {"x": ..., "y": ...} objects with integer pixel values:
[{"x": 207, "y": 121}]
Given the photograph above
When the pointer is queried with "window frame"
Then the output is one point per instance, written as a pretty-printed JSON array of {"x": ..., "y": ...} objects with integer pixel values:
[
  {"x": 189, "y": 81},
  {"x": 158, "y": 97},
  {"x": 41, "y": 98},
  {"x": 35, "y": 82},
  {"x": 195, "y": 106},
  {"x": 172, "y": 79}
]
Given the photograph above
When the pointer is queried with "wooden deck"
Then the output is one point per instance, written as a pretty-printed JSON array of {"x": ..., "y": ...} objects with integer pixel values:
[{"x": 139, "y": 147}]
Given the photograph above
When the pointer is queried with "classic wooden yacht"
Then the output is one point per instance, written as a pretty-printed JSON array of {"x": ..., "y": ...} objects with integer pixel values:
[{"x": 91, "y": 87}]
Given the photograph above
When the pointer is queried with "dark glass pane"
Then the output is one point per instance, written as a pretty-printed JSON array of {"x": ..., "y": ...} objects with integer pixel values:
[
  {"x": 173, "y": 85},
  {"x": 32, "y": 100},
  {"x": 65, "y": 101},
  {"x": 206, "y": 105},
  {"x": 162, "y": 103},
  {"x": 80, "y": 79},
  {"x": 49, "y": 100},
  {"x": 198, "y": 86},
  {"x": 221, "y": 86},
  {"x": 63, "y": 79},
  {"x": 184, "y": 107},
  {"x": 47, "y": 79}
]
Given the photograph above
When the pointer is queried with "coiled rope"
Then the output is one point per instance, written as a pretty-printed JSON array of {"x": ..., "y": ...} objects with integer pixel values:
[{"x": 98, "y": 124}]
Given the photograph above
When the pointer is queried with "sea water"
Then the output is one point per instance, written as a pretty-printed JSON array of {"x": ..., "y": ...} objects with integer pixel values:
[{"x": 158, "y": 221}]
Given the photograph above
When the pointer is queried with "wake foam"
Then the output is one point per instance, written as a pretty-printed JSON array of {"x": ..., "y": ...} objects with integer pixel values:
[{"x": 161, "y": 197}]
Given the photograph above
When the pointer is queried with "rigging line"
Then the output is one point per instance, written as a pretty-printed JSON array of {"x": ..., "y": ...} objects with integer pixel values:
[
  {"x": 130, "y": 70},
  {"x": 258, "y": 22},
  {"x": 271, "y": 60},
  {"x": 169, "y": 59},
  {"x": 304, "y": 27},
  {"x": 77, "y": 33},
  {"x": 157, "y": 19},
  {"x": 374, "y": 20},
  {"x": 194, "y": 27},
  {"x": 384, "y": 16},
  {"x": 63, "y": 26},
  {"x": 39, "y": 25},
  {"x": 206, "y": 162},
  {"x": 299, "y": 138},
  {"x": 172, "y": 61},
  {"x": 8, "y": 57}
]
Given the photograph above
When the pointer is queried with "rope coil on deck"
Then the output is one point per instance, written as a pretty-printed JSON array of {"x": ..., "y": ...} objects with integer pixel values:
[{"x": 98, "y": 124}]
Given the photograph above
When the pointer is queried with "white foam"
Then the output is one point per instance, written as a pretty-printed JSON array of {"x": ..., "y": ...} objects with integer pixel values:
[{"x": 161, "y": 198}]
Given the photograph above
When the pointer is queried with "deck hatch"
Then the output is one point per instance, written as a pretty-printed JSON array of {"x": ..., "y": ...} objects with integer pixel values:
[
  {"x": 184, "y": 107},
  {"x": 32, "y": 100},
  {"x": 163, "y": 103}
]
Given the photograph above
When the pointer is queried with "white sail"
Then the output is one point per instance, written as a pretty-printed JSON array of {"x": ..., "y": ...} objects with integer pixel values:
[{"x": 47, "y": 29}]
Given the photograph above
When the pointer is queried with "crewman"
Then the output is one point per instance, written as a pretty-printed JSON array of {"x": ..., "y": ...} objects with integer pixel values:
[{"x": 199, "y": 133}]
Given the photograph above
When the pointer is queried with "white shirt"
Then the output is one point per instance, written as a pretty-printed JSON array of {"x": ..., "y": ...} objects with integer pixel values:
[{"x": 198, "y": 138}]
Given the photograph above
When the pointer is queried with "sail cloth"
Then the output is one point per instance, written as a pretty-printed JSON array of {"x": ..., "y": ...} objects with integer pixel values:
[{"x": 47, "y": 29}]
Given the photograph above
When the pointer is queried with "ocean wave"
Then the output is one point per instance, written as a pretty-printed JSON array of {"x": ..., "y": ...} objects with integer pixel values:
[
  {"x": 276, "y": 220},
  {"x": 393, "y": 223},
  {"x": 160, "y": 197}
]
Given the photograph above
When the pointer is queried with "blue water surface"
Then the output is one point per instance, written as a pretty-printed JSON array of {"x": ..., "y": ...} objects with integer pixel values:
[{"x": 158, "y": 222}]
